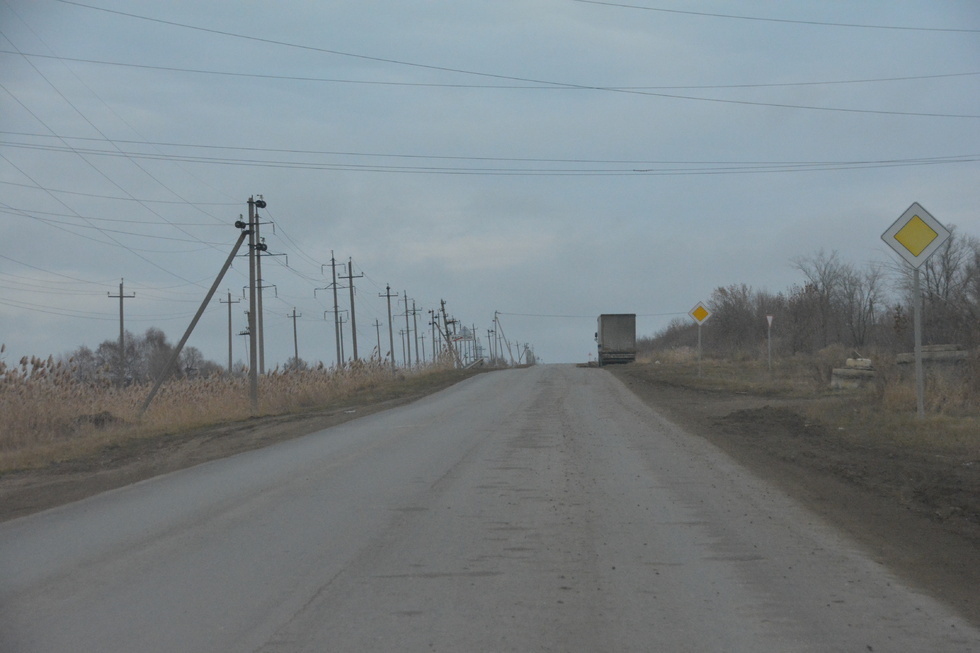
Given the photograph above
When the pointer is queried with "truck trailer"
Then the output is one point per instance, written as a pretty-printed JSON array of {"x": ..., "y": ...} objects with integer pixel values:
[{"x": 616, "y": 337}]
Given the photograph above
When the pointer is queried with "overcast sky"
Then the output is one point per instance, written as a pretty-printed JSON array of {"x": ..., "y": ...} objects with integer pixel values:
[{"x": 547, "y": 159}]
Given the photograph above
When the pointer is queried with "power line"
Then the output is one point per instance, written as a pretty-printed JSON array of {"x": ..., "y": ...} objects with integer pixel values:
[
  {"x": 46, "y": 189},
  {"x": 549, "y": 86},
  {"x": 440, "y": 157},
  {"x": 701, "y": 169},
  {"x": 816, "y": 23},
  {"x": 501, "y": 76}
]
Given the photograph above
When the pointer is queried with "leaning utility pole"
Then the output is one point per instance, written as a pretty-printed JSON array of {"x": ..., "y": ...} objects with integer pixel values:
[
  {"x": 295, "y": 341},
  {"x": 200, "y": 311},
  {"x": 229, "y": 302},
  {"x": 391, "y": 333},
  {"x": 122, "y": 332}
]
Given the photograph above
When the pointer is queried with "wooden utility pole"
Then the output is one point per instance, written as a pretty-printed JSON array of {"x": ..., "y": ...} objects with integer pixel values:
[
  {"x": 120, "y": 375},
  {"x": 229, "y": 302}
]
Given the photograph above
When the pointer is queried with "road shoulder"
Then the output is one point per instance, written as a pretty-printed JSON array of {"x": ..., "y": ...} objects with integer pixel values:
[{"x": 872, "y": 494}]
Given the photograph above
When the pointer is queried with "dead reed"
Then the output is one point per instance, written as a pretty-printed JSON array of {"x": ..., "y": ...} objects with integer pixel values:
[{"x": 48, "y": 415}]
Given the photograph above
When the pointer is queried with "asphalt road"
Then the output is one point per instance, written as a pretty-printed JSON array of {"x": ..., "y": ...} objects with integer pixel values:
[{"x": 545, "y": 509}]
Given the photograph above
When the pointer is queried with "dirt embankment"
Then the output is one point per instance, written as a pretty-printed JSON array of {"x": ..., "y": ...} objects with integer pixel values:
[{"x": 915, "y": 511}]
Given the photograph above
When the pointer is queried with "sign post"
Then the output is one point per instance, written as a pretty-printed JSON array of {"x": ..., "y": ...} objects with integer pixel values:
[
  {"x": 916, "y": 236},
  {"x": 700, "y": 313}
]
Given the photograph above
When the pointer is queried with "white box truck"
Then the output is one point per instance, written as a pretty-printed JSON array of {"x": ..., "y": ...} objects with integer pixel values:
[{"x": 616, "y": 337}]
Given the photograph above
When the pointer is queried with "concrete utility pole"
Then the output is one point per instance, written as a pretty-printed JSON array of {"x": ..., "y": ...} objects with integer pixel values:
[
  {"x": 229, "y": 302},
  {"x": 403, "y": 336},
  {"x": 336, "y": 311},
  {"x": 350, "y": 284},
  {"x": 122, "y": 332},
  {"x": 340, "y": 325},
  {"x": 246, "y": 335},
  {"x": 336, "y": 308},
  {"x": 253, "y": 352},
  {"x": 415, "y": 330},
  {"x": 503, "y": 336},
  {"x": 260, "y": 329},
  {"x": 449, "y": 343},
  {"x": 432, "y": 323},
  {"x": 391, "y": 333},
  {"x": 377, "y": 329},
  {"x": 408, "y": 330},
  {"x": 295, "y": 341}
]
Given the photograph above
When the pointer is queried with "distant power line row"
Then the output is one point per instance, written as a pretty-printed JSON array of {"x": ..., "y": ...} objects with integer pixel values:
[
  {"x": 791, "y": 21},
  {"x": 651, "y": 91},
  {"x": 570, "y": 166},
  {"x": 553, "y": 86}
]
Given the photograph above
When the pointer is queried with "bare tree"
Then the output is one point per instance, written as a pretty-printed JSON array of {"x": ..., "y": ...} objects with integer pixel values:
[
  {"x": 734, "y": 325},
  {"x": 861, "y": 299},
  {"x": 824, "y": 274},
  {"x": 950, "y": 289}
]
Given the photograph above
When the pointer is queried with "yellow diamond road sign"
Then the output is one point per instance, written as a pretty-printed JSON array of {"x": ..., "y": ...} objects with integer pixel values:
[
  {"x": 700, "y": 313},
  {"x": 916, "y": 235}
]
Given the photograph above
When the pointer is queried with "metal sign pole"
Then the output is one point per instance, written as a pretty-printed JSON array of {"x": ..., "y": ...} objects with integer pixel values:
[
  {"x": 699, "y": 350},
  {"x": 920, "y": 381},
  {"x": 916, "y": 236}
]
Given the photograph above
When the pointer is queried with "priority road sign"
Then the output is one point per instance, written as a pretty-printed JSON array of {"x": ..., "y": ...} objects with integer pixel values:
[
  {"x": 700, "y": 313},
  {"x": 916, "y": 235}
]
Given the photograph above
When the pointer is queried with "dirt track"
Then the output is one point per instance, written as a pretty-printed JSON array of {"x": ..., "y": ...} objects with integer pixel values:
[{"x": 916, "y": 513}]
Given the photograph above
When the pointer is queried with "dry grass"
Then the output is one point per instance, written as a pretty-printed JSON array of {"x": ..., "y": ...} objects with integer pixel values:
[
  {"x": 49, "y": 416},
  {"x": 884, "y": 412}
]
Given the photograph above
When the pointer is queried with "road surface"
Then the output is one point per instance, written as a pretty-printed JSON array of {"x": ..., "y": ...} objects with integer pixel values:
[{"x": 545, "y": 509}]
